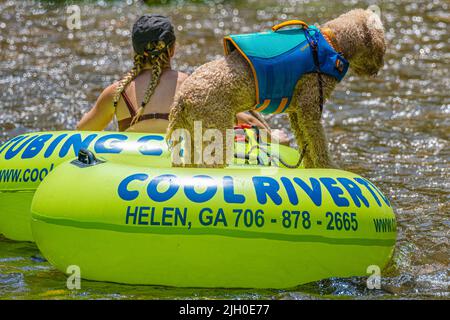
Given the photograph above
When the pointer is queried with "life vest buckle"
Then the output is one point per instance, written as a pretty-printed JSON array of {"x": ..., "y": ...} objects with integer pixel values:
[{"x": 339, "y": 65}]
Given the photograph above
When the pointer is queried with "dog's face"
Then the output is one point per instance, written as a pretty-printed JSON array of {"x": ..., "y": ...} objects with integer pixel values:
[{"x": 368, "y": 57}]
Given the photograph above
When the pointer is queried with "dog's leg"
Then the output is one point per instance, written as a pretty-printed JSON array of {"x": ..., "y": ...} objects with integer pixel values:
[
  {"x": 307, "y": 108},
  {"x": 179, "y": 133},
  {"x": 215, "y": 145},
  {"x": 196, "y": 120},
  {"x": 317, "y": 149},
  {"x": 301, "y": 140}
]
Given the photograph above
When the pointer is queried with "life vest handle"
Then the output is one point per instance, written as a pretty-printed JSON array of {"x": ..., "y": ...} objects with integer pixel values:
[{"x": 290, "y": 23}]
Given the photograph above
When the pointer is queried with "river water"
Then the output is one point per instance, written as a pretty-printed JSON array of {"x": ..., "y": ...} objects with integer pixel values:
[{"x": 394, "y": 129}]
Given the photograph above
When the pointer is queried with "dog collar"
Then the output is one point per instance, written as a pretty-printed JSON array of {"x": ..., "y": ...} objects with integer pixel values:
[{"x": 328, "y": 34}]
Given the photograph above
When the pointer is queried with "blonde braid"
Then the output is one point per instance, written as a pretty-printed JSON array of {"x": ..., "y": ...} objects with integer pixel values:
[
  {"x": 158, "y": 63},
  {"x": 130, "y": 76}
]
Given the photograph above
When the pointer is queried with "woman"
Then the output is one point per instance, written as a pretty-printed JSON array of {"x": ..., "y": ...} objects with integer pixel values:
[{"x": 143, "y": 97}]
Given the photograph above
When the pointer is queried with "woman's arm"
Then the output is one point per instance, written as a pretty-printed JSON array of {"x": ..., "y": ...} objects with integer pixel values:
[
  {"x": 101, "y": 114},
  {"x": 255, "y": 119},
  {"x": 251, "y": 119}
]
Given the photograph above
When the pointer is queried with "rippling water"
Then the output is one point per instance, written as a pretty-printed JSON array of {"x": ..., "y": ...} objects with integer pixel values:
[{"x": 393, "y": 130}]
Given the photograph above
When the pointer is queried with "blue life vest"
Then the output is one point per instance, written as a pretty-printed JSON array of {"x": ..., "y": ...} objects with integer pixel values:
[{"x": 280, "y": 58}]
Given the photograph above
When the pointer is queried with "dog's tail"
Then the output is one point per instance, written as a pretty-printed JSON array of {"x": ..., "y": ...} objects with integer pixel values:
[
  {"x": 175, "y": 120},
  {"x": 170, "y": 128}
]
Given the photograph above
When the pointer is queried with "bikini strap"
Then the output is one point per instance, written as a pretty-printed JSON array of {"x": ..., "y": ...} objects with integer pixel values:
[
  {"x": 124, "y": 124},
  {"x": 155, "y": 115},
  {"x": 129, "y": 104}
]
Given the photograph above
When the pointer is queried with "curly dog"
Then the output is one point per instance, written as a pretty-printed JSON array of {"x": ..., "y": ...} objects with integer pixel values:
[{"x": 218, "y": 90}]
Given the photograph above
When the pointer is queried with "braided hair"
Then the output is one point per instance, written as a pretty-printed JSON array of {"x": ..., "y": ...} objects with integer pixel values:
[{"x": 157, "y": 56}]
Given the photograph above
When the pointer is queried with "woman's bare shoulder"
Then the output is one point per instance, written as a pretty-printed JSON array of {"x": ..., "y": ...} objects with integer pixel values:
[
  {"x": 175, "y": 75},
  {"x": 182, "y": 76},
  {"x": 106, "y": 98},
  {"x": 110, "y": 91}
]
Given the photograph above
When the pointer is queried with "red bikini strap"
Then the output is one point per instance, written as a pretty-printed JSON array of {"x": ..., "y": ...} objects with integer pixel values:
[{"x": 129, "y": 104}]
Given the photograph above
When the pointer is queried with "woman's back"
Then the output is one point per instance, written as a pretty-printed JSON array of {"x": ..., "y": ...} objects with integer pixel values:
[
  {"x": 158, "y": 106},
  {"x": 141, "y": 100}
]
